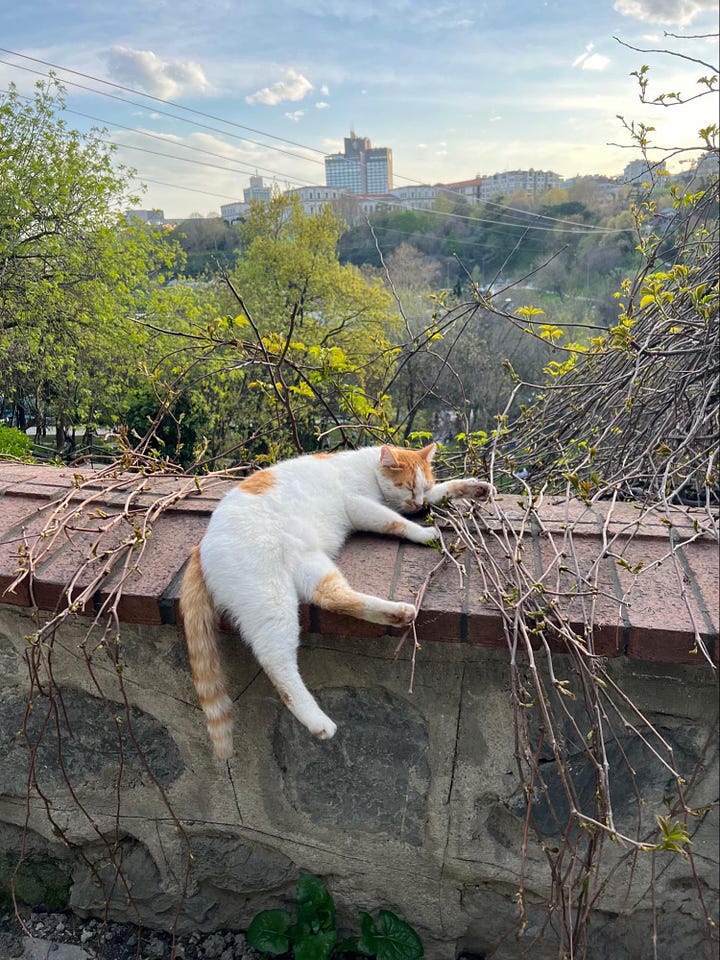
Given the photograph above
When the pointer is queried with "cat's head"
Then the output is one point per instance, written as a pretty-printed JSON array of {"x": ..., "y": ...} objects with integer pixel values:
[{"x": 405, "y": 476}]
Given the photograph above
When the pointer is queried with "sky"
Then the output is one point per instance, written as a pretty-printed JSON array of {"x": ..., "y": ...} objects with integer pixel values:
[{"x": 456, "y": 88}]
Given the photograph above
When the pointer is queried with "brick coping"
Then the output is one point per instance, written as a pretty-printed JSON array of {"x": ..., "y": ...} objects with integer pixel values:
[{"x": 654, "y": 615}]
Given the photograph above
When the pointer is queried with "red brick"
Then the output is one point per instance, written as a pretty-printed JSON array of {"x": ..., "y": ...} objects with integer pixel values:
[
  {"x": 164, "y": 555},
  {"x": 652, "y": 611},
  {"x": 21, "y": 521},
  {"x": 586, "y": 591},
  {"x": 653, "y": 603},
  {"x": 54, "y": 576},
  {"x": 14, "y": 473},
  {"x": 442, "y": 609}
]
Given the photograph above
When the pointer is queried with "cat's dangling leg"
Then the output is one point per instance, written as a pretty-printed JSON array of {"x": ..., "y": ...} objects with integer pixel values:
[
  {"x": 324, "y": 585},
  {"x": 269, "y": 624}
]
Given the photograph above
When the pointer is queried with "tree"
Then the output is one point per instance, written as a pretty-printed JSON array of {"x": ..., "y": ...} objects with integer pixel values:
[
  {"x": 288, "y": 347},
  {"x": 71, "y": 267},
  {"x": 207, "y": 243}
]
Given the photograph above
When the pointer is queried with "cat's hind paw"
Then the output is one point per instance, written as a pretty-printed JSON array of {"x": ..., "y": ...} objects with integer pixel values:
[
  {"x": 403, "y": 614},
  {"x": 325, "y": 730}
]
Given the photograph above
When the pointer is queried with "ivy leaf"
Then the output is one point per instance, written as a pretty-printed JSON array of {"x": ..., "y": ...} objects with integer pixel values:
[
  {"x": 268, "y": 932},
  {"x": 316, "y": 946},
  {"x": 367, "y": 939},
  {"x": 348, "y": 945},
  {"x": 395, "y": 939},
  {"x": 314, "y": 904}
]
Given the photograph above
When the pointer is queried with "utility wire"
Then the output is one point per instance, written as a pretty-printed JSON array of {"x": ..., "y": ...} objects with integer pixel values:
[
  {"x": 574, "y": 227},
  {"x": 172, "y": 103},
  {"x": 164, "y": 113}
]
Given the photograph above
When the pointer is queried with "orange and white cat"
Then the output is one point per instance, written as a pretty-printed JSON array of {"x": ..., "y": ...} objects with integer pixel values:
[{"x": 271, "y": 544}]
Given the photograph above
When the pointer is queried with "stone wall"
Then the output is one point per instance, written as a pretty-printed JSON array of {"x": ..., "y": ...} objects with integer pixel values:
[{"x": 413, "y": 806}]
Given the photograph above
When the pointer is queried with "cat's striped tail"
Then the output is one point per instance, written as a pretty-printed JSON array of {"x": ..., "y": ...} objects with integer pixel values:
[{"x": 200, "y": 622}]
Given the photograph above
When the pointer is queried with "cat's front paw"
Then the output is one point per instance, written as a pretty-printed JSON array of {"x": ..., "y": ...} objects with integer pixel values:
[
  {"x": 428, "y": 534},
  {"x": 475, "y": 489}
]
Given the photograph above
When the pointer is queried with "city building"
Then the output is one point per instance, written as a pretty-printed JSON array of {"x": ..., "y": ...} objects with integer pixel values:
[
  {"x": 156, "y": 217},
  {"x": 257, "y": 191},
  {"x": 708, "y": 166},
  {"x": 605, "y": 189},
  {"x": 637, "y": 172},
  {"x": 361, "y": 168},
  {"x": 232, "y": 212},
  {"x": 470, "y": 190},
  {"x": 313, "y": 199},
  {"x": 531, "y": 183},
  {"x": 420, "y": 197}
]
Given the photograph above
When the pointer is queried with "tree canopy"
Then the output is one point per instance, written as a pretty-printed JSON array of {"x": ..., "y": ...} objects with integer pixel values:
[{"x": 73, "y": 272}]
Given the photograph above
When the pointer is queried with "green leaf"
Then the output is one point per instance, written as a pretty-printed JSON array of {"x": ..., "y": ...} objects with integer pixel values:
[
  {"x": 314, "y": 903},
  {"x": 316, "y": 946},
  {"x": 367, "y": 942},
  {"x": 268, "y": 932},
  {"x": 348, "y": 945},
  {"x": 395, "y": 939}
]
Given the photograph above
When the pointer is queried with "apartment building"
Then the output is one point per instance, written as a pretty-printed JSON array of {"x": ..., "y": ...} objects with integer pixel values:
[
  {"x": 637, "y": 172},
  {"x": 232, "y": 212},
  {"x": 471, "y": 190},
  {"x": 313, "y": 199},
  {"x": 530, "y": 182},
  {"x": 420, "y": 197},
  {"x": 258, "y": 190}
]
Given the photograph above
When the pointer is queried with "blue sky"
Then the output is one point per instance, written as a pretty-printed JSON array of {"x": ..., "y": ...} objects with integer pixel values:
[{"x": 455, "y": 88}]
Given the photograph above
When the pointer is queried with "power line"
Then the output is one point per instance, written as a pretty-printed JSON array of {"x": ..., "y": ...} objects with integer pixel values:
[
  {"x": 164, "y": 113},
  {"x": 177, "y": 186},
  {"x": 172, "y": 103},
  {"x": 184, "y": 146},
  {"x": 573, "y": 226}
]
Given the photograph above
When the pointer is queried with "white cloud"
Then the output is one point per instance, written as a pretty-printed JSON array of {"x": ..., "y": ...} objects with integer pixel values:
[
  {"x": 294, "y": 87},
  {"x": 591, "y": 61},
  {"x": 596, "y": 62},
  {"x": 679, "y": 12},
  {"x": 583, "y": 56},
  {"x": 295, "y": 115},
  {"x": 146, "y": 71},
  {"x": 325, "y": 90},
  {"x": 321, "y": 105}
]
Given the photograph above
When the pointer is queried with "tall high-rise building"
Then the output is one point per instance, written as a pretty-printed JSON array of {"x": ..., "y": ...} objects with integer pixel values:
[{"x": 362, "y": 168}]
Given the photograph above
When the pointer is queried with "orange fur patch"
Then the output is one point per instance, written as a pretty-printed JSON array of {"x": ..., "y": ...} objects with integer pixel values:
[
  {"x": 218, "y": 723},
  {"x": 407, "y": 462},
  {"x": 333, "y": 592},
  {"x": 396, "y": 528},
  {"x": 258, "y": 483},
  {"x": 199, "y": 621}
]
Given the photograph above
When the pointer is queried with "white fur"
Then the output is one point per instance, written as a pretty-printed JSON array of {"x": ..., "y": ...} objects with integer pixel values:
[{"x": 265, "y": 553}]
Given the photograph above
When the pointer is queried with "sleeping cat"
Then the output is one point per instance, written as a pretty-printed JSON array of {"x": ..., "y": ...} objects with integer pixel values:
[{"x": 271, "y": 544}]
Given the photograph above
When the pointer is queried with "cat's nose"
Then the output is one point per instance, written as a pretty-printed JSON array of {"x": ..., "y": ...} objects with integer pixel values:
[{"x": 415, "y": 504}]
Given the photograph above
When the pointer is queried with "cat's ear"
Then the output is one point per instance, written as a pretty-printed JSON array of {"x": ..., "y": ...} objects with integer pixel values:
[
  {"x": 387, "y": 458},
  {"x": 428, "y": 452}
]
